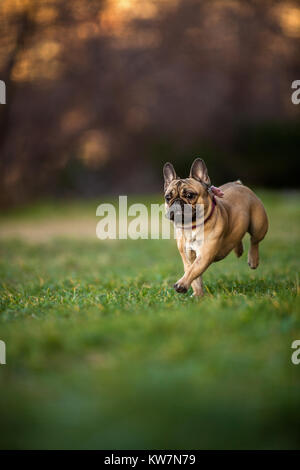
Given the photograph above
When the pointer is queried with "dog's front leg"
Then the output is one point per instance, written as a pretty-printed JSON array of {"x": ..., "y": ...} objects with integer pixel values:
[
  {"x": 187, "y": 260},
  {"x": 181, "y": 249},
  {"x": 197, "y": 284},
  {"x": 197, "y": 268}
]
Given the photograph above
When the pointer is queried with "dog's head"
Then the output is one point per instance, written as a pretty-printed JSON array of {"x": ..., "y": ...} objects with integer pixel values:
[{"x": 190, "y": 191}]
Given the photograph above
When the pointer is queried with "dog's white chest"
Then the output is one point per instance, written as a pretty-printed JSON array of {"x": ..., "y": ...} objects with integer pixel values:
[{"x": 194, "y": 243}]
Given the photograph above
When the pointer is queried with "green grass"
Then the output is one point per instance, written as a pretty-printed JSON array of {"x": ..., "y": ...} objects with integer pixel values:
[{"x": 103, "y": 353}]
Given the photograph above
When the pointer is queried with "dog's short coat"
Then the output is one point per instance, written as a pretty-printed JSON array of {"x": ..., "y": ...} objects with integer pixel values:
[{"x": 237, "y": 210}]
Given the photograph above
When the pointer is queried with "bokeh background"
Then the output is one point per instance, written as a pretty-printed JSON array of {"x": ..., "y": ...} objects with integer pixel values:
[
  {"x": 101, "y": 351},
  {"x": 101, "y": 93}
]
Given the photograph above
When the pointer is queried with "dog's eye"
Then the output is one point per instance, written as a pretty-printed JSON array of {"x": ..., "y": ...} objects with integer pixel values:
[{"x": 190, "y": 195}]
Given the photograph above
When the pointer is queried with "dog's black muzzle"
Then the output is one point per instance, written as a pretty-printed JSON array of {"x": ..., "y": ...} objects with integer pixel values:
[{"x": 180, "y": 212}]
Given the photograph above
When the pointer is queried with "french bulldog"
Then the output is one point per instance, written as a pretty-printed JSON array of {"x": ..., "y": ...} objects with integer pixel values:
[{"x": 228, "y": 213}]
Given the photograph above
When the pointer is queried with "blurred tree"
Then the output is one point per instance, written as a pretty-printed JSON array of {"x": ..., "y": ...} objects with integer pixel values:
[{"x": 101, "y": 93}]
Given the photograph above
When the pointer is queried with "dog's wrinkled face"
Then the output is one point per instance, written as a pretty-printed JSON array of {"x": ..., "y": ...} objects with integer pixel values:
[
  {"x": 183, "y": 195},
  {"x": 183, "y": 192}
]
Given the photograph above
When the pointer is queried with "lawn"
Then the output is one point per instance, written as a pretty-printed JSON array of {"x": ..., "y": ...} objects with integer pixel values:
[{"x": 103, "y": 353}]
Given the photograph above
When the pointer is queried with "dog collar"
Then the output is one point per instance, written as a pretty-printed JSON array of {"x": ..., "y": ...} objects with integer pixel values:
[{"x": 214, "y": 203}]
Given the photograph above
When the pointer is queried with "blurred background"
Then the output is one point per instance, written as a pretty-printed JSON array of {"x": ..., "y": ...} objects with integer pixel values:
[
  {"x": 101, "y": 93},
  {"x": 101, "y": 351}
]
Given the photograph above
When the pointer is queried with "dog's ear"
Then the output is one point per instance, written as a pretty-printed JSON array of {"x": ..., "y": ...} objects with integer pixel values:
[
  {"x": 169, "y": 174},
  {"x": 199, "y": 171}
]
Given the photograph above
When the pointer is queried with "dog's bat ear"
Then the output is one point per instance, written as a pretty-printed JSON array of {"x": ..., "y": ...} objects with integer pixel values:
[
  {"x": 199, "y": 171},
  {"x": 169, "y": 174}
]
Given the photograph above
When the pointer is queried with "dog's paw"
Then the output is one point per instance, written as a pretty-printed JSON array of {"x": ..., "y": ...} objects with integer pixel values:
[
  {"x": 253, "y": 262},
  {"x": 180, "y": 288},
  {"x": 197, "y": 295},
  {"x": 252, "y": 265}
]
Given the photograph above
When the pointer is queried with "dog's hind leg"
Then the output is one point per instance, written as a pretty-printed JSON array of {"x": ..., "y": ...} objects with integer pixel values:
[
  {"x": 253, "y": 254},
  {"x": 239, "y": 249},
  {"x": 257, "y": 230}
]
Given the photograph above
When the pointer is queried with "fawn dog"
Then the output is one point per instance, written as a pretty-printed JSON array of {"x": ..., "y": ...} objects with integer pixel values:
[{"x": 225, "y": 222}]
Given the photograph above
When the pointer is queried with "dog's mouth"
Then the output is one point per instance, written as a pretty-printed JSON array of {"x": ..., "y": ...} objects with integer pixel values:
[{"x": 181, "y": 213}]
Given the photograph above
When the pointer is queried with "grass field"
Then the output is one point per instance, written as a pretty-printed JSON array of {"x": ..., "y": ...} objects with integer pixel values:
[{"x": 103, "y": 353}]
